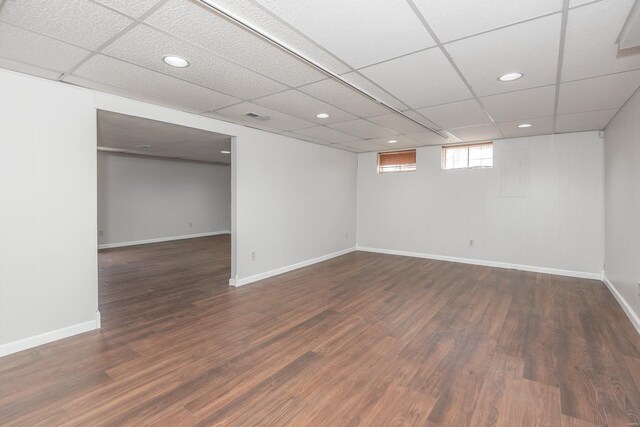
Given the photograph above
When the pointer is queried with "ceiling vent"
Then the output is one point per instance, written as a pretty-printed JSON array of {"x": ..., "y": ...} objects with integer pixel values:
[{"x": 257, "y": 116}]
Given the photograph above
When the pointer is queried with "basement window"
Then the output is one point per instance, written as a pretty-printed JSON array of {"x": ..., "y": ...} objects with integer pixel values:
[
  {"x": 397, "y": 161},
  {"x": 469, "y": 156}
]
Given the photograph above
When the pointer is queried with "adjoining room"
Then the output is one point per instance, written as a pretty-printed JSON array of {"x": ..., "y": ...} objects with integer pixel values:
[
  {"x": 320, "y": 213},
  {"x": 164, "y": 217}
]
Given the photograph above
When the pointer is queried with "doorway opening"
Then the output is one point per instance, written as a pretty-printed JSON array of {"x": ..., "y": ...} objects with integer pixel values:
[{"x": 164, "y": 218}]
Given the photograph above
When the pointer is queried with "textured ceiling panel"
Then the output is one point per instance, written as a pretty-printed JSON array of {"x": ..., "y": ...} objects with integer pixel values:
[
  {"x": 21, "y": 67},
  {"x": 539, "y": 126},
  {"x": 398, "y": 123},
  {"x": 275, "y": 120},
  {"x": 198, "y": 24},
  {"x": 402, "y": 142},
  {"x": 593, "y": 120},
  {"x": 590, "y": 46},
  {"x": 177, "y": 93},
  {"x": 34, "y": 49},
  {"x": 598, "y": 93},
  {"x": 362, "y": 129},
  {"x": 506, "y": 107},
  {"x": 484, "y": 58},
  {"x": 365, "y": 85},
  {"x": 452, "y": 19},
  {"x": 326, "y": 134},
  {"x": 336, "y": 93},
  {"x": 146, "y": 47},
  {"x": 269, "y": 24},
  {"x": 303, "y": 106},
  {"x": 79, "y": 22},
  {"x": 420, "y": 80},
  {"x": 132, "y": 8},
  {"x": 430, "y": 138},
  {"x": 365, "y": 146},
  {"x": 456, "y": 114},
  {"x": 361, "y": 32},
  {"x": 477, "y": 133}
]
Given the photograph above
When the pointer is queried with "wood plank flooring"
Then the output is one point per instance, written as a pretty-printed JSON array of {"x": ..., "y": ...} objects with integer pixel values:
[{"x": 363, "y": 339}]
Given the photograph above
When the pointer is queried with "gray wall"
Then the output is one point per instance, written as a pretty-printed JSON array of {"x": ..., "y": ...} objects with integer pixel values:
[
  {"x": 142, "y": 198},
  {"x": 622, "y": 213},
  {"x": 540, "y": 206}
]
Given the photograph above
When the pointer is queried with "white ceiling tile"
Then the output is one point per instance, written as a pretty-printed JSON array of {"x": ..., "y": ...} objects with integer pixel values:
[
  {"x": 362, "y": 129},
  {"x": 20, "y": 67},
  {"x": 261, "y": 18},
  {"x": 80, "y": 22},
  {"x": 146, "y": 46},
  {"x": 598, "y": 93},
  {"x": 575, "y": 3},
  {"x": 420, "y": 80},
  {"x": 477, "y": 133},
  {"x": 530, "y": 48},
  {"x": 452, "y": 19},
  {"x": 590, "y": 45},
  {"x": 361, "y": 32},
  {"x": 365, "y": 146},
  {"x": 506, "y": 107},
  {"x": 164, "y": 89},
  {"x": 432, "y": 138},
  {"x": 132, "y": 8},
  {"x": 456, "y": 114},
  {"x": 196, "y": 23},
  {"x": 367, "y": 86},
  {"x": 398, "y": 123},
  {"x": 326, "y": 134},
  {"x": 303, "y": 106},
  {"x": 402, "y": 142},
  {"x": 34, "y": 49},
  {"x": 420, "y": 119},
  {"x": 338, "y": 94},
  {"x": 593, "y": 120},
  {"x": 277, "y": 120},
  {"x": 305, "y": 138},
  {"x": 540, "y": 126}
]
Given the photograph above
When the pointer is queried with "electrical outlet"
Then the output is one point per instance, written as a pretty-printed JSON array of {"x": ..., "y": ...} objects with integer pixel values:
[
  {"x": 253, "y": 256},
  {"x": 472, "y": 243}
]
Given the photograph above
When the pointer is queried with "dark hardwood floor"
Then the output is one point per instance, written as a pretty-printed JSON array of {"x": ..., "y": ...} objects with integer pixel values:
[{"x": 363, "y": 339}]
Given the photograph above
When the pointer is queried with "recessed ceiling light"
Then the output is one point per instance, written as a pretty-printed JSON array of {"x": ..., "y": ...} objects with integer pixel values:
[
  {"x": 510, "y": 77},
  {"x": 225, "y": 152},
  {"x": 525, "y": 125},
  {"x": 392, "y": 141},
  {"x": 175, "y": 61},
  {"x": 322, "y": 116}
]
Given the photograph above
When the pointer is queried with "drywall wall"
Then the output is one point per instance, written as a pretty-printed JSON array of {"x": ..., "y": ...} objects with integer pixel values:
[
  {"x": 293, "y": 203},
  {"x": 540, "y": 207},
  {"x": 48, "y": 273},
  {"x": 622, "y": 207},
  {"x": 144, "y": 199}
]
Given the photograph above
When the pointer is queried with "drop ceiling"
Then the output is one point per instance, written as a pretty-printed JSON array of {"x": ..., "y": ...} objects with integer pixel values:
[
  {"x": 434, "y": 62},
  {"x": 135, "y": 135}
]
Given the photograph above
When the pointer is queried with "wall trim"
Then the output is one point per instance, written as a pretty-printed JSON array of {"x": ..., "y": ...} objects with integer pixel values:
[
  {"x": 47, "y": 337},
  {"x": 161, "y": 239},
  {"x": 261, "y": 276},
  {"x": 534, "y": 269},
  {"x": 635, "y": 320}
]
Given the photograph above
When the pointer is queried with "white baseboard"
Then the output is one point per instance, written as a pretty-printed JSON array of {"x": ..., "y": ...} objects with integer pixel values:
[
  {"x": 570, "y": 273},
  {"x": 635, "y": 320},
  {"x": 47, "y": 337},
  {"x": 277, "y": 271},
  {"x": 162, "y": 239}
]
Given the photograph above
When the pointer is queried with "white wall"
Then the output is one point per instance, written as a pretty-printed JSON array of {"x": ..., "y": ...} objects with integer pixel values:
[
  {"x": 294, "y": 202},
  {"x": 48, "y": 272},
  {"x": 144, "y": 198},
  {"x": 622, "y": 213},
  {"x": 540, "y": 206}
]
